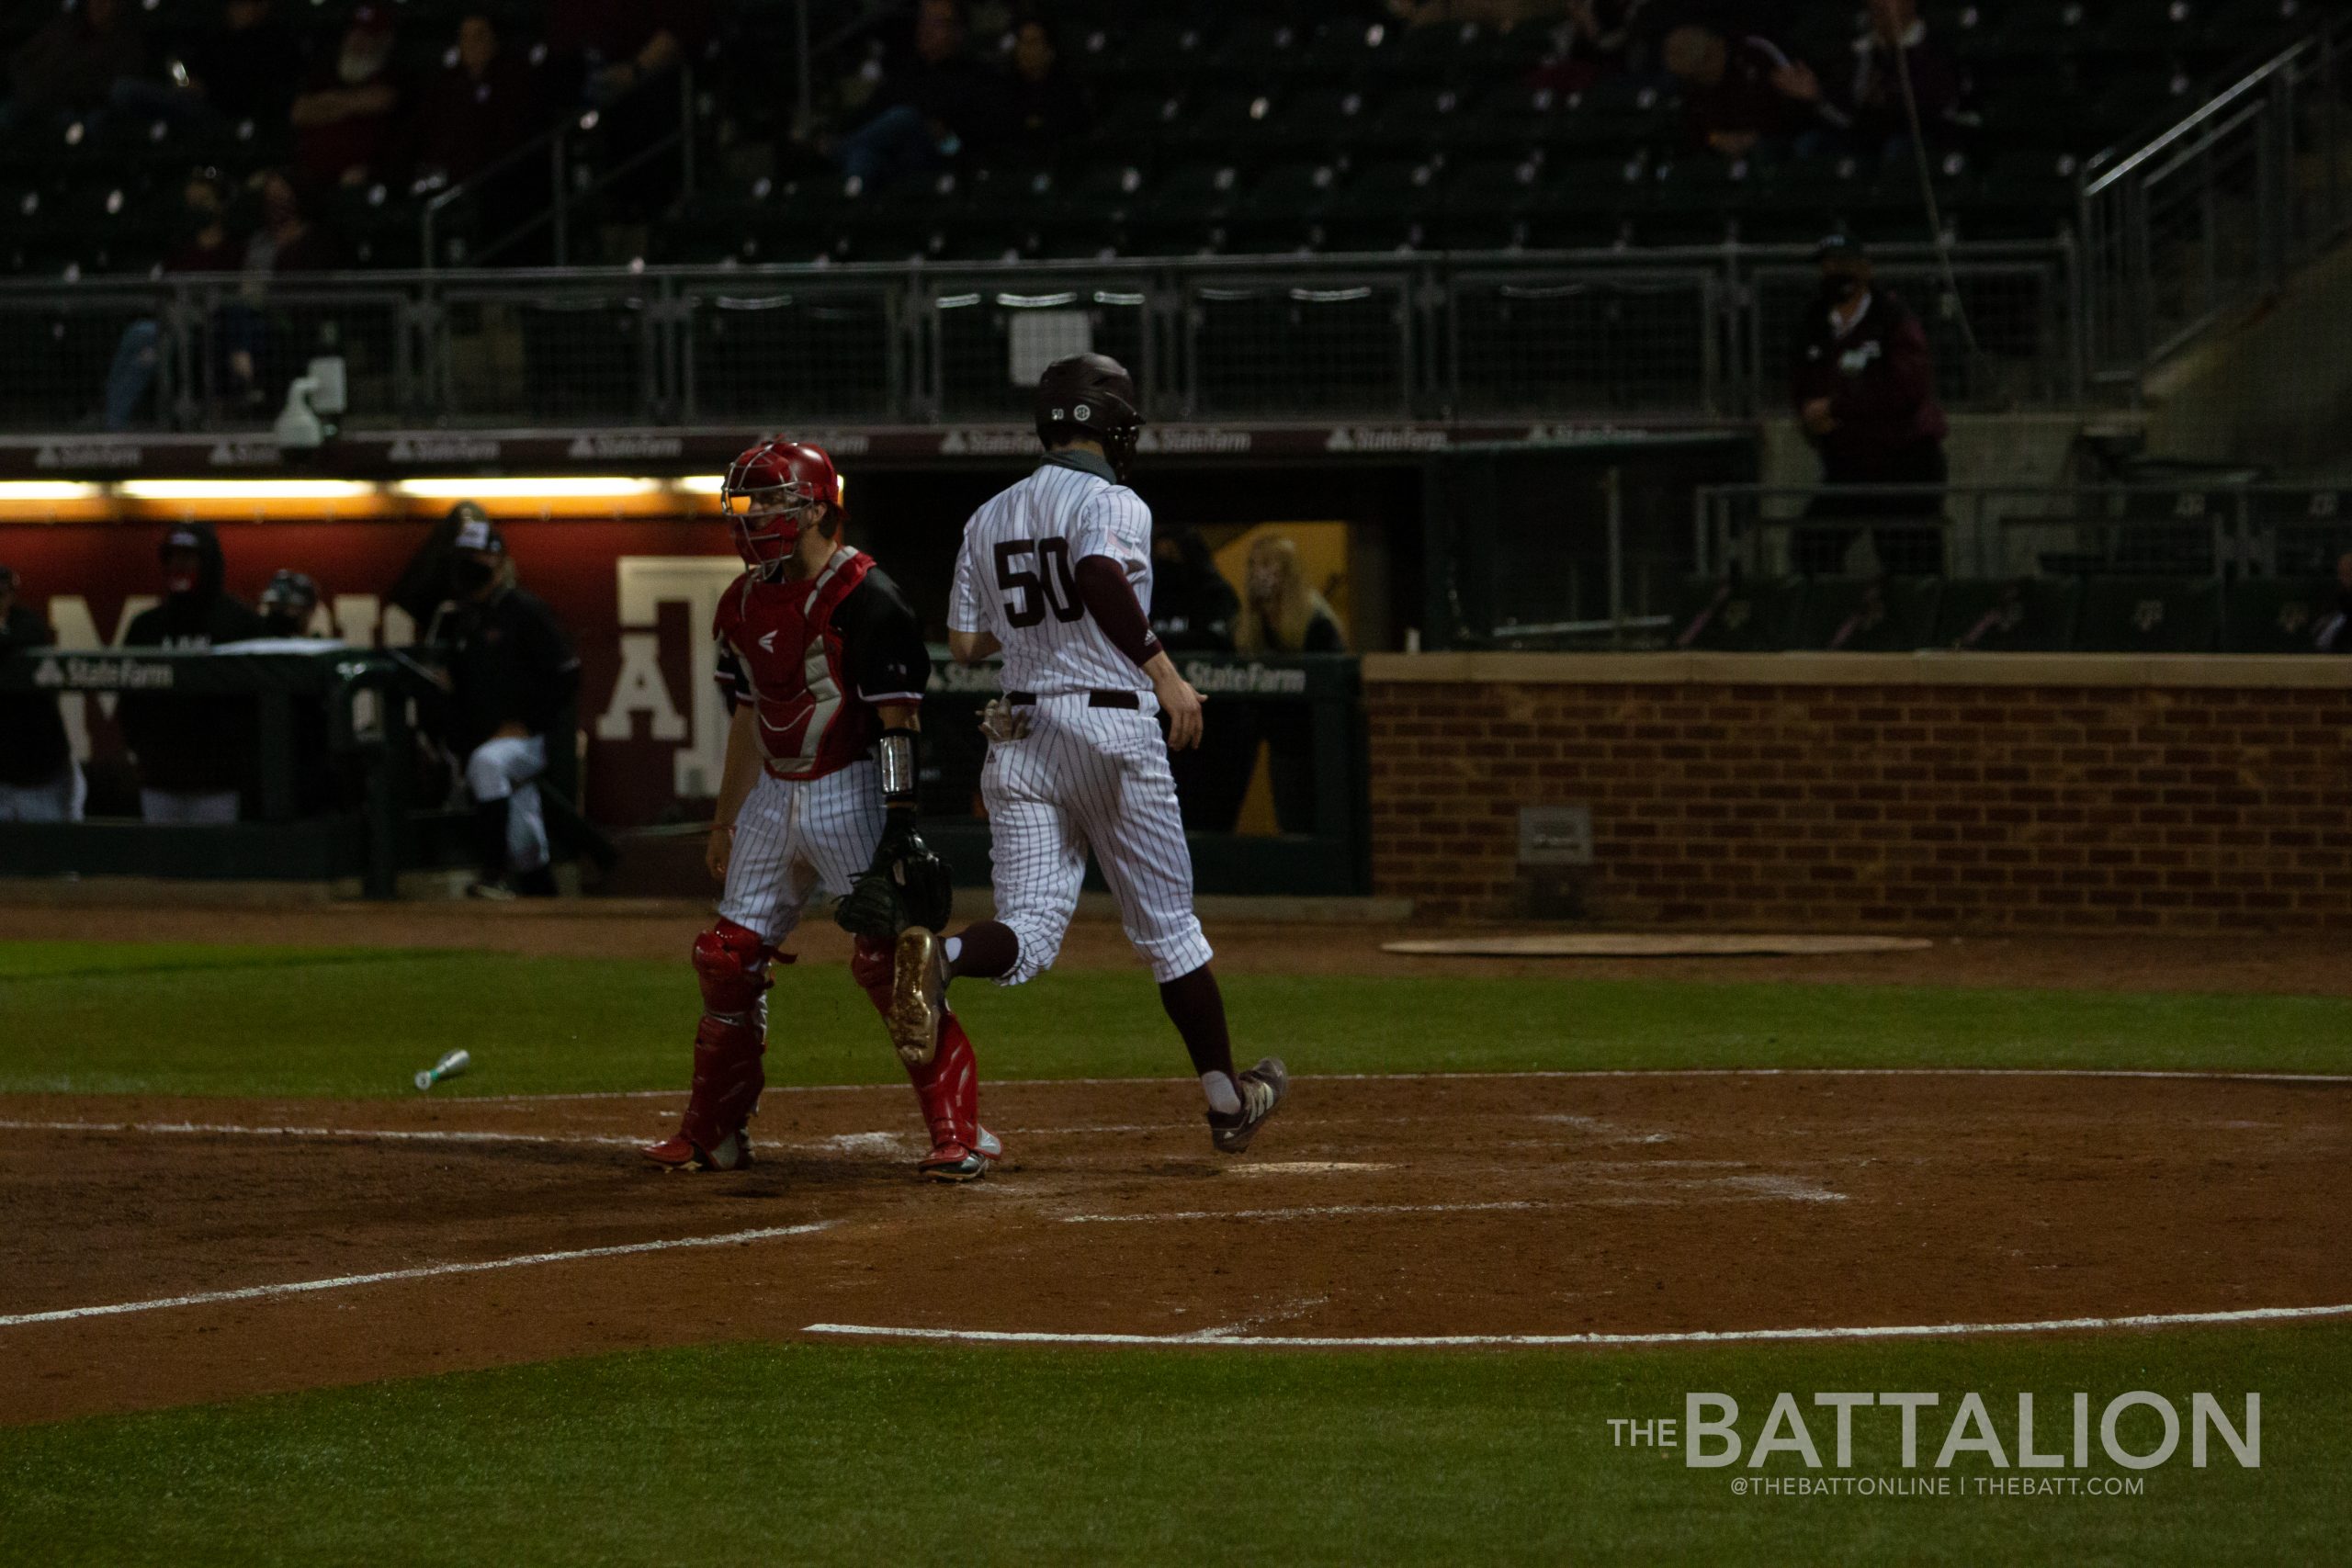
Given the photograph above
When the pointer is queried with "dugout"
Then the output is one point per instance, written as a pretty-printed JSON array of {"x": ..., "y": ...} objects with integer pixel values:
[{"x": 337, "y": 794}]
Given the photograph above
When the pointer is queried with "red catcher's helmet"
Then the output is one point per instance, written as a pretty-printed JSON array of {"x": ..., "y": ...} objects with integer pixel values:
[{"x": 772, "y": 492}]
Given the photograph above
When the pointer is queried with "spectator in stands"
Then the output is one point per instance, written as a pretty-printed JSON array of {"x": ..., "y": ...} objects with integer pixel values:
[
  {"x": 1045, "y": 108},
  {"x": 289, "y": 604},
  {"x": 1864, "y": 387},
  {"x": 1282, "y": 614},
  {"x": 242, "y": 72},
  {"x": 2336, "y": 630},
  {"x": 39, "y": 780},
  {"x": 194, "y": 754},
  {"x": 70, "y": 66},
  {"x": 475, "y": 112},
  {"x": 511, "y": 674},
  {"x": 345, "y": 119},
  {"x": 1740, "y": 95},
  {"x": 1872, "y": 112},
  {"x": 284, "y": 240},
  {"x": 933, "y": 103},
  {"x": 204, "y": 245}
]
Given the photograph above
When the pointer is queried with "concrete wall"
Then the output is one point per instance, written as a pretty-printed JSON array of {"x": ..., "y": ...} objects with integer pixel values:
[{"x": 1935, "y": 792}]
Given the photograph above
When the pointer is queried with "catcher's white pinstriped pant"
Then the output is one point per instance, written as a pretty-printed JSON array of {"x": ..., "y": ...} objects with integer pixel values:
[
  {"x": 794, "y": 836},
  {"x": 1091, "y": 776}
]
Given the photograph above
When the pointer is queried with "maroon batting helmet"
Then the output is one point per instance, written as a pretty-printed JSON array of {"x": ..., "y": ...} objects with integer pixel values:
[{"x": 772, "y": 492}]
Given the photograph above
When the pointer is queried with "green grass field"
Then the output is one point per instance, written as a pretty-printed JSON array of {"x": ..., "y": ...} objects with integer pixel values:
[{"x": 795, "y": 1453}]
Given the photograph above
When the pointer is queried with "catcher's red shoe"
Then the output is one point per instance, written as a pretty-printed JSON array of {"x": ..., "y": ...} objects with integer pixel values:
[
  {"x": 679, "y": 1153},
  {"x": 953, "y": 1162}
]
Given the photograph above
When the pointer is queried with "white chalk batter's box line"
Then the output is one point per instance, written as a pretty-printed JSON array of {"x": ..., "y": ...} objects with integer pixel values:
[
  {"x": 2191, "y": 1074},
  {"x": 1220, "y": 1338}
]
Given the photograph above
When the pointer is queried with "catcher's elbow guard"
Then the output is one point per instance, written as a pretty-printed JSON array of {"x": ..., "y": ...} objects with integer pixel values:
[{"x": 900, "y": 759}]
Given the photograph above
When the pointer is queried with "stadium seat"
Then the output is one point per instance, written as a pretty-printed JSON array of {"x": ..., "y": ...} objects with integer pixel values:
[
  {"x": 2276, "y": 615},
  {"x": 1750, "y": 617},
  {"x": 2035, "y": 616},
  {"x": 1894, "y": 614},
  {"x": 2150, "y": 615}
]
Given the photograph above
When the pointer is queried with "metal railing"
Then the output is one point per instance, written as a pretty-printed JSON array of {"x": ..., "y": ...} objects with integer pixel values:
[
  {"x": 2018, "y": 531},
  {"x": 1454, "y": 336},
  {"x": 2211, "y": 213},
  {"x": 570, "y": 182}
]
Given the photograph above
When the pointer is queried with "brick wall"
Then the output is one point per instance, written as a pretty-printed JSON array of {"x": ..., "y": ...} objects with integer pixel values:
[{"x": 1955, "y": 791}]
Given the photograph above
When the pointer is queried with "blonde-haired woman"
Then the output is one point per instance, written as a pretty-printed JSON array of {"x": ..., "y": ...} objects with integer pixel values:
[{"x": 1282, "y": 614}]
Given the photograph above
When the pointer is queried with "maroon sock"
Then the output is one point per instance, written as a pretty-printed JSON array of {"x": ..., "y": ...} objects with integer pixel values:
[
  {"x": 1197, "y": 1009},
  {"x": 989, "y": 951}
]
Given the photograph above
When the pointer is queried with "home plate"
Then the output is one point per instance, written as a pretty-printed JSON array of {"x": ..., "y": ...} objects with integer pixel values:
[
  {"x": 1650, "y": 944},
  {"x": 1302, "y": 1167}
]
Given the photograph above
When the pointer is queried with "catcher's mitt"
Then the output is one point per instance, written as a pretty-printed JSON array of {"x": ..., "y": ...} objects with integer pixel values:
[{"x": 906, "y": 885}]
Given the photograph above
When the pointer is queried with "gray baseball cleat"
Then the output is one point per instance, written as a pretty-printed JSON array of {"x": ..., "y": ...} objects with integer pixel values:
[{"x": 1262, "y": 1089}]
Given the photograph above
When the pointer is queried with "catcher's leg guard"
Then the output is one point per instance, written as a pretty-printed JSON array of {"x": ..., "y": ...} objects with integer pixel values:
[
  {"x": 732, "y": 963},
  {"x": 949, "y": 1088}
]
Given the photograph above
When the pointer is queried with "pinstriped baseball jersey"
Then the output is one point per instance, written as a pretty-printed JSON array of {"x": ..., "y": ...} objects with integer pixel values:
[
  {"x": 1016, "y": 575},
  {"x": 1086, "y": 776}
]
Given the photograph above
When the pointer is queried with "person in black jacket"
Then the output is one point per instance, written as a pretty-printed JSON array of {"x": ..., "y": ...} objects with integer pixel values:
[
  {"x": 196, "y": 754},
  {"x": 1864, "y": 387},
  {"x": 511, "y": 674},
  {"x": 39, "y": 780},
  {"x": 1195, "y": 610}
]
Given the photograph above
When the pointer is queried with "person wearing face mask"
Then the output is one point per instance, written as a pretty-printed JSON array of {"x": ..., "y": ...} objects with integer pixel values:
[
  {"x": 288, "y": 604},
  {"x": 39, "y": 780},
  {"x": 1864, "y": 387},
  {"x": 196, "y": 754},
  {"x": 512, "y": 671}
]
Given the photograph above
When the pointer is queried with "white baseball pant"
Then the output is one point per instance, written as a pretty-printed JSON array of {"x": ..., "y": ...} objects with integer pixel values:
[
  {"x": 795, "y": 836},
  {"x": 502, "y": 769},
  {"x": 1088, "y": 777}
]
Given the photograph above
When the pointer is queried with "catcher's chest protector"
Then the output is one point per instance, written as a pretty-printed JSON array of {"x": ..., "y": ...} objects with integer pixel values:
[{"x": 811, "y": 720}]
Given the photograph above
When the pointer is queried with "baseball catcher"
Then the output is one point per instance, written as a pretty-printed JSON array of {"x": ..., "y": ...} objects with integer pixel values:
[{"x": 825, "y": 664}]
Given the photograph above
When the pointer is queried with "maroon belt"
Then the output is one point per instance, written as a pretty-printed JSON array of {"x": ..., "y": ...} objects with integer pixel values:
[{"x": 1132, "y": 701}]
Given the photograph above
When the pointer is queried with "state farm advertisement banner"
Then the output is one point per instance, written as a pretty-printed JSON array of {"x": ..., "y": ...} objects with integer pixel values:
[{"x": 637, "y": 594}]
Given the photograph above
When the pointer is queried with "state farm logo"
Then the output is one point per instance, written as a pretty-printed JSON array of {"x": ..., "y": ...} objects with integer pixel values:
[
  {"x": 1192, "y": 440},
  {"x": 442, "y": 450},
  {"x": 103, "y": 675},
  {"x": 244, "y": 454},
  {"x": 611, "y": 448},
  {"x": 989, "y": 441},
  {"x": 88, "y": 455},
  {"x": 1385, "y": 438}
]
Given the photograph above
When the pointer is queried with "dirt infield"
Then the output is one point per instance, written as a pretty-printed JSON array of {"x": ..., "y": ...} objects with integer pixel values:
[
  {"x": 2283, "y": 961},
  {"x": 1383, "y": 1206}
]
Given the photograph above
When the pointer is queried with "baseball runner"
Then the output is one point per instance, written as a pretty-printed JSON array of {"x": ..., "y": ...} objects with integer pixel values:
[
  {"x": 1056, "y": 573},
  {"x": 826, "y": 666}
]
